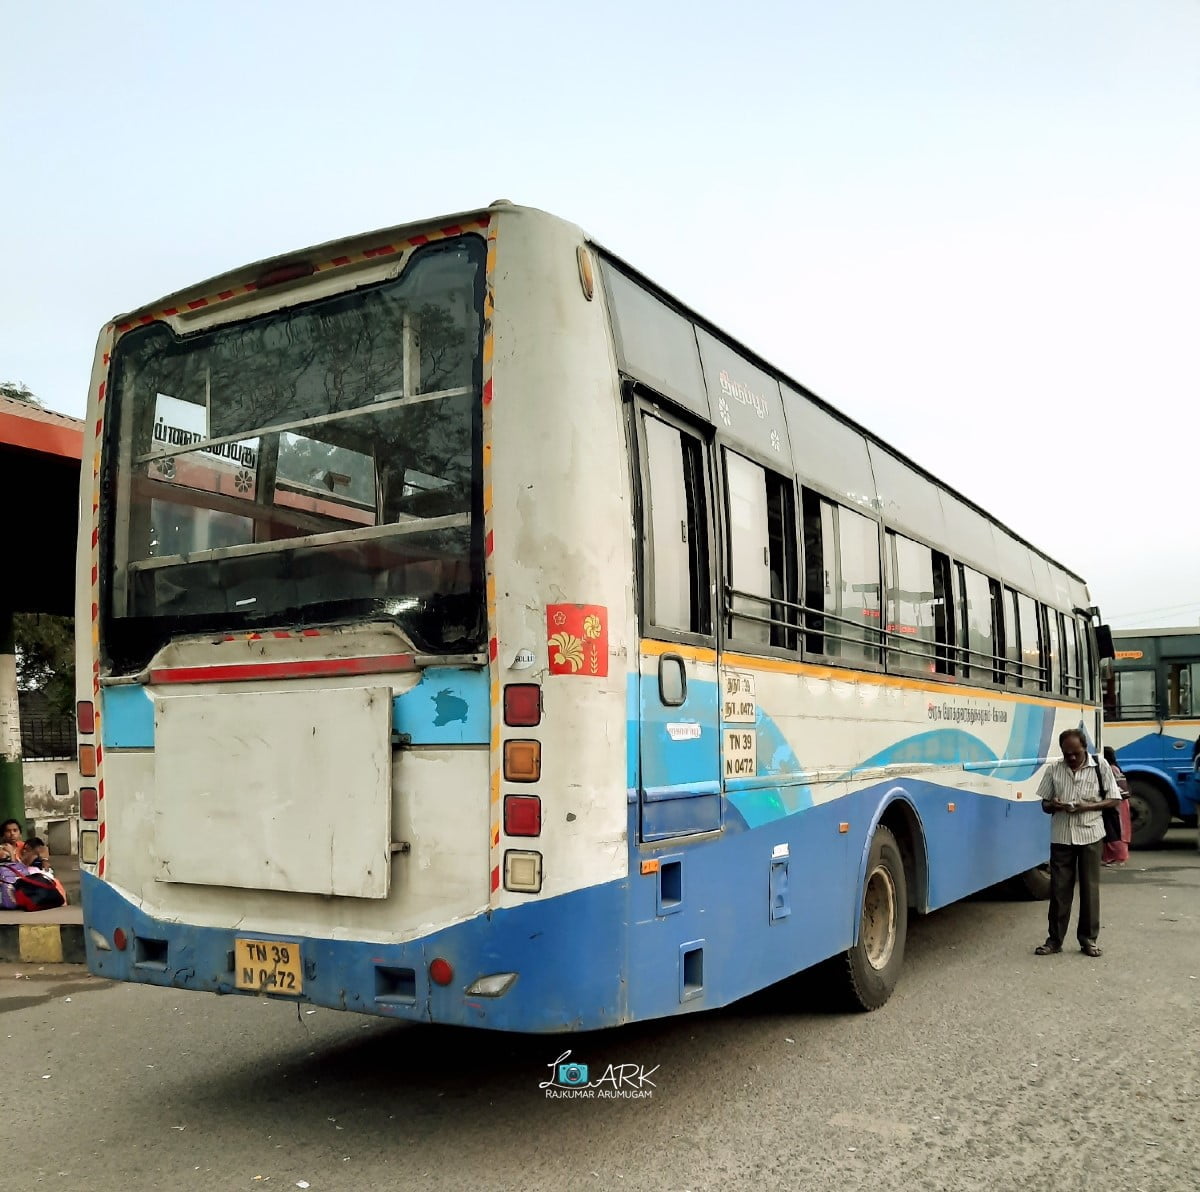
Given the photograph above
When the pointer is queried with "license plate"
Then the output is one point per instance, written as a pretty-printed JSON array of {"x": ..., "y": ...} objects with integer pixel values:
[{"x": 268, "y": 966}]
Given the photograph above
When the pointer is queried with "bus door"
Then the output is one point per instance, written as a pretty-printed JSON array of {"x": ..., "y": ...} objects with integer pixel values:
[{"x": 679, "y": 787}]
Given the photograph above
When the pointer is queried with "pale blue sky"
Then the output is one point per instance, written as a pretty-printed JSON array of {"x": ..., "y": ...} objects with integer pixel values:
[{"x": 972, "y": 226}]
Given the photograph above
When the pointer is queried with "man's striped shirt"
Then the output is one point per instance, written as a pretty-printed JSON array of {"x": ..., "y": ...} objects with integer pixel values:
[{"x": 1061, "y": 784}]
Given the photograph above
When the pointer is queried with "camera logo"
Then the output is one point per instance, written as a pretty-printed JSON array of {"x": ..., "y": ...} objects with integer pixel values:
[
  {"x": 571, "y": 1080},
  {"x": 573, "y": 1075}
]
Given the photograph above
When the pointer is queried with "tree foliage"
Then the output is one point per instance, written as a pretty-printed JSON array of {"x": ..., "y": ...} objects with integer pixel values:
[
  {"x": 18, "y": 392},
  {"x": 46, "y": 658},
  {"x": 45, "y": 644}
]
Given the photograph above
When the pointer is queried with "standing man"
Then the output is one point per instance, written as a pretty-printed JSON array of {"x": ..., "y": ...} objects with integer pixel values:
[{"x": 1075, "y": 791}]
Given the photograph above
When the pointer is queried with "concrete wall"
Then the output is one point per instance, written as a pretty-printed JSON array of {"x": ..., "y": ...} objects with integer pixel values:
[{"x": 49, "y": 814}]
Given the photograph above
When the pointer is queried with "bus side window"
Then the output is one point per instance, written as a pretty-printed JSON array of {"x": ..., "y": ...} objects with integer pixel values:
[
  {"x": 841, "y": 581},
  {"x": 1087, "y": 662},
  {"x": 1137, "y": 694},
  {"x": 943, "y": 613},
  {"x": 1070, "y": 657},
  {"x": 1110, "y": 693},
  {"x": 676, "y": 571},
  {"x": 1055, "y": 659},
  {"x": 1012, "y": 640},
  {"x": 1031, "y": 647},
  {"x": 761, "y": 550},
  {"x": 1183, "y": 688},
  {"x": 920, "y": 630},
  {"x": 979, "y": 635},
  {"x": 998, "y": 629}
]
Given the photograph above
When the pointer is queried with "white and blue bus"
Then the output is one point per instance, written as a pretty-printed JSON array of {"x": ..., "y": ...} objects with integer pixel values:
[
  {"x": 1152, "y": 721},
  {"x": 473, "y": 634}
]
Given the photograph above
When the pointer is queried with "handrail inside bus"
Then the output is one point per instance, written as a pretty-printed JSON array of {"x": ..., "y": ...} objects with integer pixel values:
[
  {"x": 889, "y": 641},
  {"x": 382, "y": 402},
  {"x": 451, "y": 521}
]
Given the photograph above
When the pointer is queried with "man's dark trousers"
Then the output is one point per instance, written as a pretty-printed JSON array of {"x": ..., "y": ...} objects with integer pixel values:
[{"x": 1065, "y": 861}]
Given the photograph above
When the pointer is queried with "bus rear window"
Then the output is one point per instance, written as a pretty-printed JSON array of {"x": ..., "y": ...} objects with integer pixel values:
[{"x": 315, "y": 463}]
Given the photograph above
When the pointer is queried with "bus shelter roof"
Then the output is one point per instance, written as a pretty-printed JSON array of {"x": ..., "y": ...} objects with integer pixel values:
[{"x": 40, "y": 454}]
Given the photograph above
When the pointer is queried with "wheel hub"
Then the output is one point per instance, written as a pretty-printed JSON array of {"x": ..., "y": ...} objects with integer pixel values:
[{"x": 878, "y": 930}]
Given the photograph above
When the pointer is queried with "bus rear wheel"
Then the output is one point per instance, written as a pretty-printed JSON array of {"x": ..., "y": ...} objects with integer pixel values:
[
  {"x": 1149, "y": 811},
  {"x": 866, "y": 974},
  {"x": 1033, "y": 884}
]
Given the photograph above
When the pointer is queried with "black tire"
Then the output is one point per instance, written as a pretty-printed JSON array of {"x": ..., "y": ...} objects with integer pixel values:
[
  {"x": 1033, "y": 885},
  {"x": 1149, "y": 811},
  {"x": 863, "y": 977}
]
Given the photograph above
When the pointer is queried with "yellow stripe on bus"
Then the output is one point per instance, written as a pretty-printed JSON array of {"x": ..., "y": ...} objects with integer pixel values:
[{"x": 782, "y": 666}]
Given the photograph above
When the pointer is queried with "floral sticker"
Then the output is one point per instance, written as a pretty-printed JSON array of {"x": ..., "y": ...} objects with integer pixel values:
[{"x": 577, "y": 639}]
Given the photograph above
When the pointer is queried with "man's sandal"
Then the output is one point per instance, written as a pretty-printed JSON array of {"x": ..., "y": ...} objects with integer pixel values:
[
  {"x": 1091, "y": 949},
  {"x": 1047, "y": 949}
]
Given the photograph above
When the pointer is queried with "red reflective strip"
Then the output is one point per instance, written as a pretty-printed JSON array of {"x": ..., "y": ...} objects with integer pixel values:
[
  {"x": 419, "y": 240},
  {"x": 244, "y": 672},
  {"x": 496, "y": 879},
  {"x": 103, "y": 384},
  {"x": 488, "y": 546},
  {"x": 493, "y": 649},
  {"x": 487, "y": 392},
  {"x": 283, "y": 633},
  {"x": 452, "y": 230},
  {"x": 146, "y": 319},
  {"x": 225, "y": 295},
  {"x": 310, "y": 632},
  {"x": 197, "y": 304},
  {"x": 171, "y": 310},
  {"x": 340, "y": 261}
]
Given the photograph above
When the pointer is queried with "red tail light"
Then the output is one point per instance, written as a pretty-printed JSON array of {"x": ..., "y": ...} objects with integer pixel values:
[
  {"x": 85, "y": 715},
  {"x": 89, "y": 803},
  {"x": 440, "y": 972},
  {"x": 522, "y": 815},
  {"x": 522, "y": 705}
]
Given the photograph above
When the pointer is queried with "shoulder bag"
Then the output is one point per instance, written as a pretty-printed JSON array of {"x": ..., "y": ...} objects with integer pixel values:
[{"x": 1112, "y": 815}]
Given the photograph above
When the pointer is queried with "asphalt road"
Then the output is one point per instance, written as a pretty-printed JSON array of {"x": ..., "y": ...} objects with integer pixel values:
[{"x": 990, "y": 1068}]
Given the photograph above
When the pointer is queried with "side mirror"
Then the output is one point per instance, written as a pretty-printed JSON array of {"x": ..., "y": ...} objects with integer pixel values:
[{"x": 1104, "y": 642}]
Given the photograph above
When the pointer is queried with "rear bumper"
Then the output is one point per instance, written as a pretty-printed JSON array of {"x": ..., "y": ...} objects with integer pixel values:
[{"x": 566, "y": 953}]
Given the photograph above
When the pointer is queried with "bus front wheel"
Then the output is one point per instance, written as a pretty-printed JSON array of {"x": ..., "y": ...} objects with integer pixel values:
[
  {"x": 866, "y": 974},
  {"x": 1149, "y": 811}
]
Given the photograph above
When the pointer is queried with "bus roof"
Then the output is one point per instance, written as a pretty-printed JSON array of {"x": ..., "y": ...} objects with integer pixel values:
[
  {"x": 1172, "y": 631},
  {"x": 346, "y": 246},
  {"x": 374, "y": 243},
  {"x": 779, "y": 374}
]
